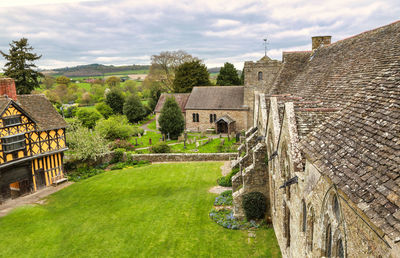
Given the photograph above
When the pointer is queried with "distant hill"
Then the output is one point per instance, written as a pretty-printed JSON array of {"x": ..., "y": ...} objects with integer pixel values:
[
  {"x": 214, "y": 69},
  {"x": 94, "y": 70}
]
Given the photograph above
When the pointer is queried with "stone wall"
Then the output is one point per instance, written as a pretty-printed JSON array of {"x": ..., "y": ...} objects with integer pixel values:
[
  {"x": 240, "y": 116},
  {"x": 172, "y": 157}
]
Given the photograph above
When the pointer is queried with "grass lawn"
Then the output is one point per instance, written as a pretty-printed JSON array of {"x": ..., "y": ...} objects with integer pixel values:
[
  {"x": 158, "y": 210},
  {"x": 152, "y": 125}
]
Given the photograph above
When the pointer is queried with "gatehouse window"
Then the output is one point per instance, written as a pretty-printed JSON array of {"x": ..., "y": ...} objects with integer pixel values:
[
  {"x": 9, "y": 121},
  {"x": 13, "y": 143},
  {"x": 260, "y": 76}
]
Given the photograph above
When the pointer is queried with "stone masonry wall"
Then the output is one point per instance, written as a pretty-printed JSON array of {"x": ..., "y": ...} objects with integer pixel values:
[{"x": 240, "y": 116}]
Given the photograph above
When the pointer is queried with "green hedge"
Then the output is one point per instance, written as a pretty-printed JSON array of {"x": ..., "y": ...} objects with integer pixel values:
[{"x": 254, "y": 205}]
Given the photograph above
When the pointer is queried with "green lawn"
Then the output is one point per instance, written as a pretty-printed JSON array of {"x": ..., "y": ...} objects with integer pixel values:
[{"x": 158, "y": 210}]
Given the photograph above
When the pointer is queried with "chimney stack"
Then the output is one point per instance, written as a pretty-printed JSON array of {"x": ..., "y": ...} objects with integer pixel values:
[
  {"x": 320, "y": 40},
  {"x": 7, "y": 87}
]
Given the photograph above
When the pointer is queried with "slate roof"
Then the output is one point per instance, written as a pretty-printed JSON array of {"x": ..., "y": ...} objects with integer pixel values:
[
  {"x": 227, "y": 119},
  {"x": 40, "y": 109},
  {"x": 181, "y": 99},
  {"x": 217, "y": 97},
  {"x": 359, "y": 146}
]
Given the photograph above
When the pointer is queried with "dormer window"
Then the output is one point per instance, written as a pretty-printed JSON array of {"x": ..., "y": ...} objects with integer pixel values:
[
  {"x": 260, "y": 76},
  {"x": 9, "y": 121}
]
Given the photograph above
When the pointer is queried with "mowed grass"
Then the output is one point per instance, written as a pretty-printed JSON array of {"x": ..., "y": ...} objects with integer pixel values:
[{"x": 159, "y": 210}]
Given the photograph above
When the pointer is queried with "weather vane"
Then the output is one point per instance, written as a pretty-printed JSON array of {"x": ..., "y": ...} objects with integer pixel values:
[{"x": 265, "y": 46}]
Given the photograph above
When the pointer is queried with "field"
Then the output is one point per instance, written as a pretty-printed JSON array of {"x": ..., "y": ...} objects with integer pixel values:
[{"x": 158, "y": 210}]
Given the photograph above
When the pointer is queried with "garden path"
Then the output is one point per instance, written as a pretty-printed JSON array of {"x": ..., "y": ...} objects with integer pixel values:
[
  {"x": 145, "y": 126},
  {"x": 35, "y": 198}
]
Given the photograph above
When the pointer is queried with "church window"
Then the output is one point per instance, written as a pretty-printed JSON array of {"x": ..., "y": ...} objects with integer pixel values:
[
  {"x": 285, "y": 170},
  {"x": 286, "y": 223},
  {"x": 213, "y": 118},
  {"x": 340, "y": 250},
  {"x": 304, "y": 221},
  {"x": 260, "y": 76},
  {"x": 335, "y": 206},
  {"x": 195, "y": 117},
  {"x": 310, "y": 229},
  {"x": 328, "y": 241}
]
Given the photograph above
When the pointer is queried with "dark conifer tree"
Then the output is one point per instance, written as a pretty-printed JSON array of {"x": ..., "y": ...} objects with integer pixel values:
[
  {"x": 228, "y": 75},
  {"x": 171, "y": 119}
]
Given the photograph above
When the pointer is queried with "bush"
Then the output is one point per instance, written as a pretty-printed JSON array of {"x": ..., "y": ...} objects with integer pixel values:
[
  {"x": 137, "y": 131},
  {"x": 227, "y": 180},
  {"x": 118, "y": 155},
  {"x": 104, "y": 109},
  {"x": 83, "y": 173},
  {"x": 115, "y": 127},
  {"x": 70, "y": 111},
  {"x": 124, "y": 144},
  {"x": 88, "y": 117},
  {"x": 85, "y": 144},
  {"x": 161, "y": 147},
  {"x": 254, "y": 205}
]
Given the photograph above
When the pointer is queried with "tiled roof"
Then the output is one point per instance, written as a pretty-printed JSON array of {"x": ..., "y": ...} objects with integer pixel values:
[
  {"x": 359, "y": 147},
  {"x": 42, "y": 111},
  {"x": 216, "y": 97},
  {"x": 180, "y": 98}
]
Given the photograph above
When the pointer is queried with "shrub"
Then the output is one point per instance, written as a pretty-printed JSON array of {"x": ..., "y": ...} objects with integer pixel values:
[
  {"x": 161, "y": 147},
  {"x": 104, "y": 109},
  {"x": 70, "y": 111},
  {"x": 133, "y": 109},
  {"x": 254, "y": 205},
  {"x": 124, "y": 144},
  {"x": 118, "y": 155},
  {"x": 115, "y": 127},
  {"x": 86, "y": 144},
  {"x": 83, "y": 173},
  {"x": 227, "y": 180},
  {"x": 137, "y": 131},
  {"x": 88, "y": 117}
]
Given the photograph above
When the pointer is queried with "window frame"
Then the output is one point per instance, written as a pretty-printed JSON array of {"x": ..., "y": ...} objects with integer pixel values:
[
  {"x": 20, "y": 138},
  {"x": 10, "y": 118}
]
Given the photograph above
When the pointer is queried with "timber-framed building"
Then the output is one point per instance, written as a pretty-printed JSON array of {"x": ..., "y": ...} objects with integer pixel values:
[{"x": 32, "y": 136}]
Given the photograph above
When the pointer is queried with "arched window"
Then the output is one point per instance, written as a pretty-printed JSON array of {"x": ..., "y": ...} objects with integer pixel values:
[
  {"x": 328, "y": 241},
  {"x": 197, "y": 117},
  {"x": 310, "y": 229},
  {"x": 339, "y": 248},
  {"x": 285, "y": 169},
  {"x": 260, "y": 76},
  {"x": 304, "y": 221},
  {"x": 194, "y": 117},
  {"x": 286, "y": 224},
  {"x": 335, "y": 207}
]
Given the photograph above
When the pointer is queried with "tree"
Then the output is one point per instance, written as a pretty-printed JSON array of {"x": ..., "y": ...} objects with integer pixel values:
[
  {"x": 133, "y": 109},
  {"x": 88, "y": 117},
  {"x": 104, "y": 110},
  {"x": 48, "y": 81},
  {"x": 113, "y": 81},
  {"x": 63, "y": 80},
  {"x": 164, "y": 65},
  {"x": 190, "y": 74},
  {"x": 155, "y": 93},
  {"x": 20, "y": 66},
  {"x": 242, "y": 77},
  {"x": 171, "y": 119},
  {"x": 115, "y": 100},
  {"x": 228, "y": 75}
]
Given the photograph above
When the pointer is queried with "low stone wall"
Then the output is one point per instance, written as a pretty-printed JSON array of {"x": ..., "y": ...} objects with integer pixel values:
[{"x": 170, "y": 157}]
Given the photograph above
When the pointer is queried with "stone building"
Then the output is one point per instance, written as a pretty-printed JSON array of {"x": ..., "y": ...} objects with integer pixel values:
[
  {"x": 32, "y": 136},
  {"x": 324, "y": 148},
  {"x": 221, "y": 108}
]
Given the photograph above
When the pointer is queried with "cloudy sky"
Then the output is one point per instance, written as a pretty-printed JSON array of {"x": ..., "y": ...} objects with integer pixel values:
[{"x": 73, "y": 32}]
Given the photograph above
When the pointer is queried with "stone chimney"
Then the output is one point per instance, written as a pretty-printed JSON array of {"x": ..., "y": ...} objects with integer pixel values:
[
  {"x": 320, "y": 40},
  {"x": 7, "y": 87}
]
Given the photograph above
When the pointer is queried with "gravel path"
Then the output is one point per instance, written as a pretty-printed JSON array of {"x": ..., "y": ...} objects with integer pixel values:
[
  {"x": 225, "y": 169},
  {"x": 145, "y": 126}
]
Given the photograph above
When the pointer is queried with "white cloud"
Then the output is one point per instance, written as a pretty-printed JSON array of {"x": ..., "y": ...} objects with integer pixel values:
[
  {"x": 13, "y": 3},
  {"x": 226, "y": 22}
]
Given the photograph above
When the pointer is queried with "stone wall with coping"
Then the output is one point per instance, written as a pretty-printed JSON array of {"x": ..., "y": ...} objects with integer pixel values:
[{"x": 182, "y": 157}]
